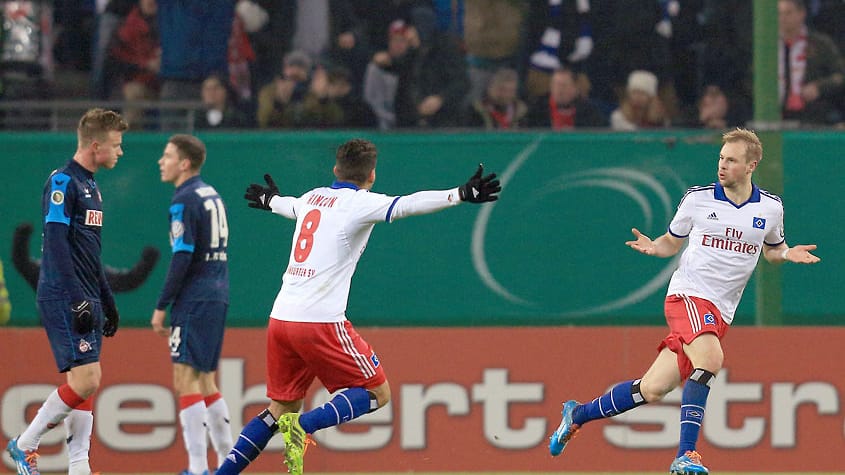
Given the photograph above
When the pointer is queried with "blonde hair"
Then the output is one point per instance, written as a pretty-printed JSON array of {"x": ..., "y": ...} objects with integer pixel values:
[
  {"x": 753, "y": 146},
  {"x": 96, "y": 123}
]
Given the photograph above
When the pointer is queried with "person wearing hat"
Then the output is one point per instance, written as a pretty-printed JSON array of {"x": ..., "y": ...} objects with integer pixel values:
[
  {"x": 640, "y": 106},
  {"x": 280, "y": 101}
]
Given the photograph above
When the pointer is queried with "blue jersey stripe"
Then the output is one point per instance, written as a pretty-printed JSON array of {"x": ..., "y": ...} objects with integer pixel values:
[
  {"x": 58, "y": 191},
  {"x": 390, "y": 210}
]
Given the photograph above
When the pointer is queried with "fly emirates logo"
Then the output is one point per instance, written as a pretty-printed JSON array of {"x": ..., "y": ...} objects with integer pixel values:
[{"x": 731, "y": 241}]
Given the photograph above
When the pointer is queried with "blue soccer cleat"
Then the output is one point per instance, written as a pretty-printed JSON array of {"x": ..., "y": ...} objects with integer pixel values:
[
  {"x": 688, "y": 464},
  {"x": 565, "y": 431},
  {"x": 188, "y": 472},
  {"x": 26, "y": 462}
]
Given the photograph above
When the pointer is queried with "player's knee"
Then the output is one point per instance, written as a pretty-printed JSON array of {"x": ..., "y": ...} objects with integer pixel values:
[
  {"x": 653, "y": 392},
  {"x": 379, "y": 397}
]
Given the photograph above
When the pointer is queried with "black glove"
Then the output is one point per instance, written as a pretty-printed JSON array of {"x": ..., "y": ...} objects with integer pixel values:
[
  {"x": 83, "y": 320},
  {"x": 260, "y": 196},
  {"x": 112, "y": 319},
  {"x": 480, "y": 190}
]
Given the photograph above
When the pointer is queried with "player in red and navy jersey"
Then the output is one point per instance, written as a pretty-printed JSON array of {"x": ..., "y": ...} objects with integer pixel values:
[
  {"x": 309, "y": 335},
  {"x": 74, "y": 299},
  {"x": 727, "y": 225},
  {"x": 197, "y": 291}
]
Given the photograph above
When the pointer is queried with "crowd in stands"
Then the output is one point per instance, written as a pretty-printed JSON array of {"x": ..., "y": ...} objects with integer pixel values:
[{"x": 388, "y": 64}]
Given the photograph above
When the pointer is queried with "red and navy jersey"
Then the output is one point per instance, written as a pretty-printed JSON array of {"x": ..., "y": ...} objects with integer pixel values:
[
  {"x": 72, "y": 208},
  {"x": 199, "y": 229}
]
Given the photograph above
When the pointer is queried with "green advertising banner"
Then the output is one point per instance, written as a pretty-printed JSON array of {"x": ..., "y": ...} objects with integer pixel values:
[{"x": 549, "y": 252}]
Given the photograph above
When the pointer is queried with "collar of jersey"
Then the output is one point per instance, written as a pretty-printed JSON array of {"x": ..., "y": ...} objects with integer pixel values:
[
  {"x": 719, "y": 194},
  {"x": 78, "y": 167},
  {"x": 344, "y": 184},
  {"x": 187, "y": 182}
]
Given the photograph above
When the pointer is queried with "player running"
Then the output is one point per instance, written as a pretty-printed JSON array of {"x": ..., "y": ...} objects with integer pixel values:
[
  {"x": 728, "y": 224},
  {"x": 309, "y": 335}
]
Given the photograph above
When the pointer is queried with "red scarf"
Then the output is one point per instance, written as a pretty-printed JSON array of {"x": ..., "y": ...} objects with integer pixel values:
[
  {"x": 561, "y": 118},
  {"x": 503, "y": 119}
]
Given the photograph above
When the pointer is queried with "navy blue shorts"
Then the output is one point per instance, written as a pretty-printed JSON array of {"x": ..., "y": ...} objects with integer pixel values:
[
  {"x": 71, "y": 349},
  {"x": 196, "y": 333}
]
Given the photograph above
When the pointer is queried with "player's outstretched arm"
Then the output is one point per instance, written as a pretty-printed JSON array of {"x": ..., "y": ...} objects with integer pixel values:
[
  {"x": 259, "y": 196},
  {"x": 664, "y": 246},
  {"x": 480, "y": 189}
]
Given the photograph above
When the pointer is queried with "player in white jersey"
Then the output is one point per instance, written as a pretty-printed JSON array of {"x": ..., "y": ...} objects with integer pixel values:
[
  {"x": 728, "y": 225},
  {"x": 309, "y": 335}
]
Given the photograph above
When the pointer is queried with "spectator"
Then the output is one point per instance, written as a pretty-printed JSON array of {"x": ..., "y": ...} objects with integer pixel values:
[
  {"x": 194, "y": 44},
  {"x": 629, "y": 36},
  {"x": 282, "y": 102},
  {"x": 109, "y": 17},
  {"x": 810, "y": 68},
  {"x": 327, "y": 30},
  {"x": 713, "y": 110},
  {"x": 220, "y": 106},
  {"x": 500, "y": 107},
  {"x": 640, "y": 106},
  {"x": 331, "y": 102},
  {"x": 135, "y": 58},
  {"x": 432, "y": 78},
  {"x": 382, "y": 77},
  {"x": 566, "y": 106},
  {"x": 726, "y": 53},
  {"x": 494, "y": 33},
  {"x": 561, "y": 33}
]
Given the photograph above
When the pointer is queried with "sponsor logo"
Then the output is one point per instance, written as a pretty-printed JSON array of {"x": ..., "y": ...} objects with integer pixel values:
[
  {"x": 759, "y": 223},
  {"x": 57, "y": 197},
  {"x": 713, "y": 216},
  {"x": 84, "y": 346},
  {"x": 93, "y": 217},
  {"x": 59, "y": 182},
  {"x": 177, "y": 229},
  {"x": 709, "y": 319},
  {"x": 374, "y": 360}
]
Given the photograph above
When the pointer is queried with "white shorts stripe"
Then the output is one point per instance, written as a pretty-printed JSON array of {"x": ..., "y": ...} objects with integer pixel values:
[
  {"x": 692, "y": 314},
  {"x": 346, "y": 341}
]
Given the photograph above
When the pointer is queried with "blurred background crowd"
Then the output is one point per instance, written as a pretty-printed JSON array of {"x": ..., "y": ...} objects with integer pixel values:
[{"x": 388, "y": 64}]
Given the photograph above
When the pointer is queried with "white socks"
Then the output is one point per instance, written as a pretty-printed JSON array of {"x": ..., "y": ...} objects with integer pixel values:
[
  {"x": 217, "y": 421},
  {"x": 193, "y": 433},
  {"x": 50, "y": 414}
]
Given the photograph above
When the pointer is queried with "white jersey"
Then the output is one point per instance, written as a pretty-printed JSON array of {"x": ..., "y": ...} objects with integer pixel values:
[
  {"x": 725, "y": 242},
  {"x": 333, "y": 225}
]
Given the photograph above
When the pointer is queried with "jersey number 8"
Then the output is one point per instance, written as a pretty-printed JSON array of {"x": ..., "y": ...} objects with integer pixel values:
[{"x": 305, "y": 240}]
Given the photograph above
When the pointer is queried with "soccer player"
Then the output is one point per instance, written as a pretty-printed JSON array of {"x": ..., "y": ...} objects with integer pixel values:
[
  {"x": 309, "y": 335},
  {"x": 728, "y": 224},
  {"x": 197, "y": 287},
  {"x": 74, "y": 299}
]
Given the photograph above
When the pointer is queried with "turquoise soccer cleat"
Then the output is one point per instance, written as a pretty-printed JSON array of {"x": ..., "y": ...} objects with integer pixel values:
[
  {"x": 26, "y": 462},
  {"x": 688, "y": 464},
  {"x": 565, "y": 431}
]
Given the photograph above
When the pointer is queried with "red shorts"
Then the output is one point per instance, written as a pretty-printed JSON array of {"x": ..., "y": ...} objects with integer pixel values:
[
  {"x": 334, "y": 353},
  {"x": 689, "y": 317}
]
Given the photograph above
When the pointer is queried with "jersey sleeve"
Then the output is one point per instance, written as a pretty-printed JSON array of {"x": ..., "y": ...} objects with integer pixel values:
[
  {"x": 423, "y": 202},
  {"x": 376, "y": 207},
  {"x": 182, "y": 229},
  {"x": 776, "y": 234},
  {"x": 284, "y": 205},
  {"x": 58, "y": 208},
  {"x": 59, "y": 203},
  {"x": 681, "y": 224}
]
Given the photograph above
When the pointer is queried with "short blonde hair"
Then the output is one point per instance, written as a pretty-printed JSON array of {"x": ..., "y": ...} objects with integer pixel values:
[
  {"x": 96, "y": 123},
  {"x": 753, "y": 146}
]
